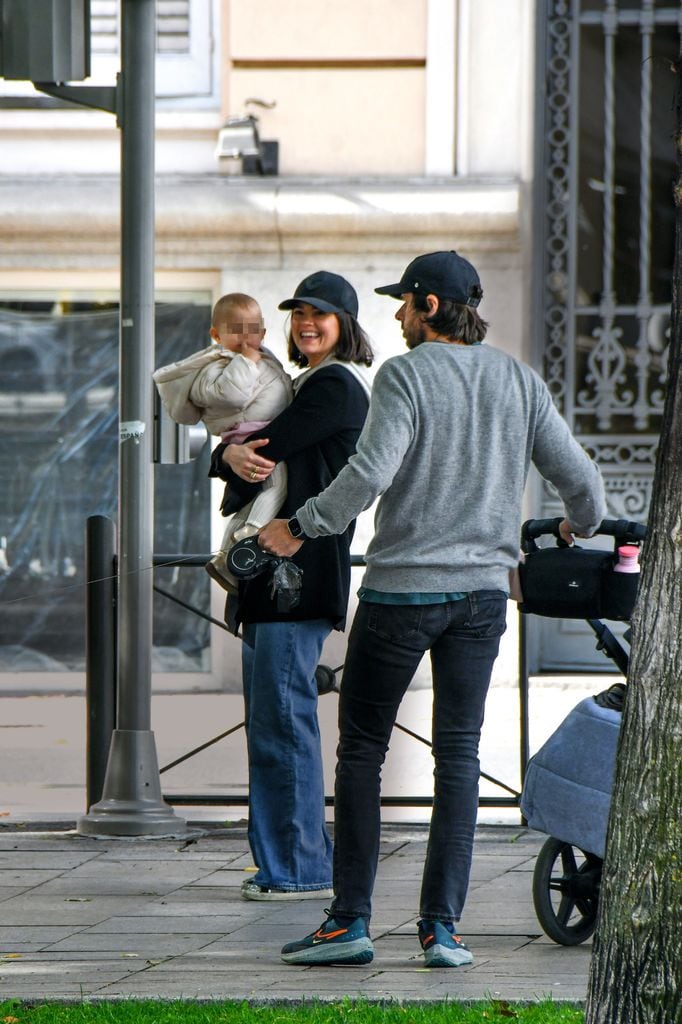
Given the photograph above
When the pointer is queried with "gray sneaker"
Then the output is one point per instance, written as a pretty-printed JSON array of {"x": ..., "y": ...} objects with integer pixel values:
[
  {"x": 251, "y": 890},
  {"x": 442, "y": 946}
]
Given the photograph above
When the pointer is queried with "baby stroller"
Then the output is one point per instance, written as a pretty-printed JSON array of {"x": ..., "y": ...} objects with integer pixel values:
[{"x": 567, "y": 788}]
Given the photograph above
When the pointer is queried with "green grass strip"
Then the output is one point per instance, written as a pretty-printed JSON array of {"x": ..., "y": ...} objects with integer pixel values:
[{"x": 345, "y": 1012}]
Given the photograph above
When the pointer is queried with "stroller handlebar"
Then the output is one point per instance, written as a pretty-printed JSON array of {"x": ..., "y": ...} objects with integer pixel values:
[
  {"x": 533, "y": 528},
  {"x": 622, "y": 529}
]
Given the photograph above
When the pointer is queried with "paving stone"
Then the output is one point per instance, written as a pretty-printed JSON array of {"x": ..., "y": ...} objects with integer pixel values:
[
  {"x": 44, "y": 934},
  {"x": 242, "y": 863},
  {"x": 399, "y": 867},
  {"x": 307, "y": 917},
  {"x": 170, "y": 870},
  {"x": 152, "y": 946},
  {"x": 8, "y": 892},
  {"x": 21, "y": 879},
  {"x": 185, "y": 988},
  {"x": 117, "y": 966},
  {"x": 53, "y": 980},
  {"x": 47, "y": 860},
  {"x": 17, "y": 946},
  {"x": 120, "y": 919},
  {"x": 71, "y": 956},
  {"x": 169, "y": 906},
  {"x": 94, "y": 885},
  {"x": 40, "y": 841},
  {"x": 211, "y": 860},
  {"x": 67, "y": 991},
  {"x": 220, "y": 879},
  {"x": 34, "y": 907},
  {"x": 219, "y": 895},
  {"x": 145, "y": 925}
]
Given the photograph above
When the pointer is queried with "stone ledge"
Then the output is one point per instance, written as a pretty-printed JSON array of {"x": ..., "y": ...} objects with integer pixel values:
[{"x": 206, "y": 221}]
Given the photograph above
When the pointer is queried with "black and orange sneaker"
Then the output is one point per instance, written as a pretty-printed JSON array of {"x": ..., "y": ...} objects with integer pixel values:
[
  {"x": 442, "y": 946},
  {"x": 332, "y": 943}
]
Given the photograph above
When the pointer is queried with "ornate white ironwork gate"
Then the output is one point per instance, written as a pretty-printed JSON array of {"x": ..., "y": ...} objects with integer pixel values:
[{"x": 605, "y": 160}]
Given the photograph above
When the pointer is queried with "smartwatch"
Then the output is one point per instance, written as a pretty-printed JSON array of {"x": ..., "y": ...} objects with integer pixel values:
[{"x": 295, "y": 529}]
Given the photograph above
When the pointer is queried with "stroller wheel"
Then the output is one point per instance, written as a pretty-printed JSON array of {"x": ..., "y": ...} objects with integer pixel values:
[{"x": 566, "y": 891}]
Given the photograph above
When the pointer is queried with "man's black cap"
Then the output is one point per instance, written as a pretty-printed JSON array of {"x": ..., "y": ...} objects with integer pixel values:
[
  {"x": 326, "y": 291},
  {"x": 445, "y": 274}
]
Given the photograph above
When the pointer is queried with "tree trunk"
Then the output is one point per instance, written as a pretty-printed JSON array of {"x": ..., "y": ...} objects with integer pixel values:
[{"x": 636, "y": 970}]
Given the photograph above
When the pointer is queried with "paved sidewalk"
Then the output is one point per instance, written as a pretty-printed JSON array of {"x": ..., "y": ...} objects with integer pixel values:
[{"x": 152, "y": 918}]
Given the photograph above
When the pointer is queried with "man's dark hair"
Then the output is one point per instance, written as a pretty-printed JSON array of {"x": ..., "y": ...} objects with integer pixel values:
[
  {"x": 453, "y": 320},
  {"x": 352, "y": 347}
]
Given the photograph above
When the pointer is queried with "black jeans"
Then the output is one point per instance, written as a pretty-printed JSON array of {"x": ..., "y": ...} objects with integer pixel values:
[{"x": 385, "y": 647}]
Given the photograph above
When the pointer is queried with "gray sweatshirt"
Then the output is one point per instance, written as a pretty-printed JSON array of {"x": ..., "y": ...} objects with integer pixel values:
[{"x": 448, "y": 443}]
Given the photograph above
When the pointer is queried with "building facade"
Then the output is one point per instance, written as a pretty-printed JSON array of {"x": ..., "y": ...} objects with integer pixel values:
[{"x": 401, "y": 127}]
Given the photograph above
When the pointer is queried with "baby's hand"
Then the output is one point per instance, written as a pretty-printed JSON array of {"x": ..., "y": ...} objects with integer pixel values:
[{"x": 251, "y": 353}]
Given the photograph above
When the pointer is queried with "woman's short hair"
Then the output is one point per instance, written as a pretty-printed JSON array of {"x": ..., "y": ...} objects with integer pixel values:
[
  {"x": 453, "y": 320},
  {"x": 353, "y": 345}
]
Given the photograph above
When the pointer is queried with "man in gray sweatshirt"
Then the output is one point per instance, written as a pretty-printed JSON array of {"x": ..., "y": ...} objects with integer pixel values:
[{"x": 453, "y": 427}]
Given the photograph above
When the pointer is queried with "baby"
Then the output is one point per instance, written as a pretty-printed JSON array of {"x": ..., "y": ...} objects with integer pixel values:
[{"x": 235, "y": 386}]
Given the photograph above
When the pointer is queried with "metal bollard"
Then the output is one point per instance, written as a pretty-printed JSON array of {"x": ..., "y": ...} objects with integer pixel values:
[{"x": 100, "y": 651}]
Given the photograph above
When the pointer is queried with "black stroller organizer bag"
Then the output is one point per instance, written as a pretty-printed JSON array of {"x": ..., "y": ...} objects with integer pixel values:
[{"x": 573, "y": 582}]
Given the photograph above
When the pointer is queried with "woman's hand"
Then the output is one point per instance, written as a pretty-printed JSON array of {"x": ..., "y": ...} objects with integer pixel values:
[
  {"x": 276, "y": 539},
  {"x": 243, "y": 459}
]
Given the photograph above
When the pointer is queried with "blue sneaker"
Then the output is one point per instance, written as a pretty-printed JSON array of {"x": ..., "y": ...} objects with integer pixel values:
[
  {"x": 442, "y": 946},
  {"x": 332, "y": 944}
]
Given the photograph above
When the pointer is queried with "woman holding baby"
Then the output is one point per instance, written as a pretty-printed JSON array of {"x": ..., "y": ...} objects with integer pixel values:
[{"x": 315, "y": 436}]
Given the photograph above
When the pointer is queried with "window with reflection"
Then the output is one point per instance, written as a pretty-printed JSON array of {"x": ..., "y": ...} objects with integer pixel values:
[{"x": 59, "y": 452}]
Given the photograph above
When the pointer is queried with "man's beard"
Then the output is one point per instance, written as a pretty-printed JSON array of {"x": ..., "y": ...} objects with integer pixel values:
[{"x": 416, "y": 337}]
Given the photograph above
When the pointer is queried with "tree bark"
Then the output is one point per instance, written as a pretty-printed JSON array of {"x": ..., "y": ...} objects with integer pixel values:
[{"x": 636, "y": 969}]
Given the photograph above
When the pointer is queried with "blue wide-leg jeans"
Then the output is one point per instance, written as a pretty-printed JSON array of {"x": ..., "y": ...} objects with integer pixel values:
[
  {"x": 385, "y": 646},
  {"x": 287, "y": 832}
]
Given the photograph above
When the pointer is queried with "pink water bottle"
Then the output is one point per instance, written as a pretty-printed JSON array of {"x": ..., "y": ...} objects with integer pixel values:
[{"x": 627, "y": 559}]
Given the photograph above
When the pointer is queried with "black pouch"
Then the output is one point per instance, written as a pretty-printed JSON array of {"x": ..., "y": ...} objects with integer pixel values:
[
  {"x": 576, "y": 583},
  {"x": 246, "y": 560}
]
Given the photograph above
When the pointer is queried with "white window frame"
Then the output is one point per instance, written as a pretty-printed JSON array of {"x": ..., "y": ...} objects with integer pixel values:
[
  {"x": 440, "y": 115},
  {"x": 193, "y": 70}
]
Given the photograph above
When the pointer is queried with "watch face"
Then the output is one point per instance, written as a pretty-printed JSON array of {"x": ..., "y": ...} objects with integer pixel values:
[{"x": 295, "y": 527}]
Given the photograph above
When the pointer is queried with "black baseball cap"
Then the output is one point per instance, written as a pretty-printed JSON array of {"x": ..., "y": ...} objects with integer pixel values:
[
  {"x": 445, "y": 274},
  {"x": 326, "y": 291}
]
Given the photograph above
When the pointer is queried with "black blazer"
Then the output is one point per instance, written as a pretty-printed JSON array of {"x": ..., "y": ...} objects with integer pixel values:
[{"x": 315, "y": 436}]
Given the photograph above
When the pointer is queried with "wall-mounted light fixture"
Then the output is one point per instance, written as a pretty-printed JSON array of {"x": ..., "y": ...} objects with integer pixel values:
[{"x": 239, "y": 139}]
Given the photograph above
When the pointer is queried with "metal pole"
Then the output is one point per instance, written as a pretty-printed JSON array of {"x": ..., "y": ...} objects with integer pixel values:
[
  {"x": 132, "y": 803},
  {"x": 136, "y": 364},
  {"x": 524, "y": 726},
  {"x": 100, "y": 651}
]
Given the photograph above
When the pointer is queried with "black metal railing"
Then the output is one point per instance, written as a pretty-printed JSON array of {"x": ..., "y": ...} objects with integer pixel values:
[{"x": 101, "y": 647}]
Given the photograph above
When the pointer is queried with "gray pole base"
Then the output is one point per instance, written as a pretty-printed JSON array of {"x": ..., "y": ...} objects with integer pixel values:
[{"x": 131, "y": 803}]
